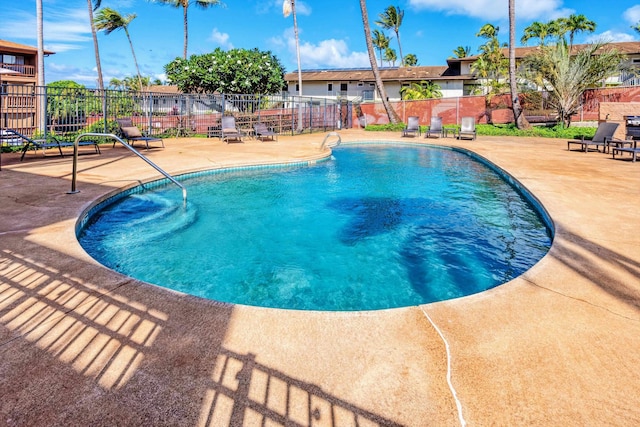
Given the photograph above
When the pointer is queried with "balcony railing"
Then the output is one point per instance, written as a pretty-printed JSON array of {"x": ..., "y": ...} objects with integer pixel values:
[{"x": 26, "y": 70}]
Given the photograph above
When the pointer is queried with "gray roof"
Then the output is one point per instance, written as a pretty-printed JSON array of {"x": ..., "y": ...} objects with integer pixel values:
[{"x": 366, "y": 75}]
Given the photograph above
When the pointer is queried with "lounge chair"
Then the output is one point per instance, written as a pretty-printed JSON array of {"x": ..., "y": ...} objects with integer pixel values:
[
  {"x": 262, "y": 131},
  {"x": 229, "y": 130},
  {"x": 413, "y": 126},
  {"x": 602, "y": 138},
  {"x": 42, "y": 144},
  {"x": 467, "y": 128},
  {"x": 131, "y": 133},
  {"x": 435, "y": 128},
  {"x": 632, "y": 149}
]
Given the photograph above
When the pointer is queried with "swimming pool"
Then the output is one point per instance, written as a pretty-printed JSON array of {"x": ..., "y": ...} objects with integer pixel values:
[{"x": 376, "y": 226}]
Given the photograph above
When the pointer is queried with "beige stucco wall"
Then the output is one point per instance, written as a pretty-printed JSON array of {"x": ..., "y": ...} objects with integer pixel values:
[{"x": 615, "y": 112}]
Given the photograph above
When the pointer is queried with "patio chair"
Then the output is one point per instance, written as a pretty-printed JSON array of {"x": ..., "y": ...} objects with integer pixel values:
[
  {"x": 467, "y": 128},
  {"x": 412, "y": 127},
  {"x": 131, "y": 133},
  {"x": 262, "y": 131},
  {"x": 229, "y": 130},
  {"x": 43, "y": 144},
  {"x": 602, "y": 138},
  {"x": 632, "y": 149},
  {"x": 435, "y": 128}
]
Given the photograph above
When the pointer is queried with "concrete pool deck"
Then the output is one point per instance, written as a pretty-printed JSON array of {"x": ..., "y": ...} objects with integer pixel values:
[{"x": 83, "y": 345}]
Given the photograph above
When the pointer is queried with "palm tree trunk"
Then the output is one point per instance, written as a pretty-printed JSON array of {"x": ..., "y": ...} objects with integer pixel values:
[
  {"x": 521, "y": 121},
  {"x": 95, "y": 46},
  {"x": 135, "y": 60},
  {"x": 295, "y": 31},
  {"x": 391, "y": 113},
  {"x": 40, "y": 83},
  {"x": 400, "y": 48},
  {"x": 186, "y": 30}
]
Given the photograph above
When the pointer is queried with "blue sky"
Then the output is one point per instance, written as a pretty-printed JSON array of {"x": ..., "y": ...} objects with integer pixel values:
[{"x": 331, "y": 34}]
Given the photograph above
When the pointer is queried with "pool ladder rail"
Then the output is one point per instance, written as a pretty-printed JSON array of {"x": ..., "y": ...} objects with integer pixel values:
[
  {"x": 130, "y": 148},
  {"x": 332, "y": 144}
]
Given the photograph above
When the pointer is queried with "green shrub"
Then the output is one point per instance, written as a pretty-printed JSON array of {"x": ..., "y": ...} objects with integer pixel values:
[
  {"x": 98, "y": 127},
  {"x": 557, "y": 131}
]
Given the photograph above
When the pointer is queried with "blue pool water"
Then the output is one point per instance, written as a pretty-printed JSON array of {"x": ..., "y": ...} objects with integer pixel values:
[{"x": 377, "y": 226}]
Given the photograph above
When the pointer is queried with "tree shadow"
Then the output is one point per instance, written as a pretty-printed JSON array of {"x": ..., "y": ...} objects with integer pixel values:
[
  {"x": 614, "y": 272},
  {"x": 437, "y": 247}
]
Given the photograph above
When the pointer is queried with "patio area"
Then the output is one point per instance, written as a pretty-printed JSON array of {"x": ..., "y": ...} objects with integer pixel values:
[{"x": 83, "y": 345}]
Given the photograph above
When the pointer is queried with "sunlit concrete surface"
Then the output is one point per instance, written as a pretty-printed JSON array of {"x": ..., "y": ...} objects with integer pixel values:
[{"x": 83, "y": 345}]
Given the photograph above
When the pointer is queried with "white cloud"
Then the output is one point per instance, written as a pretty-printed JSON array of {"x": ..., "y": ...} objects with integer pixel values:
[
  {"x": 632, "y": 15},
  {"x": 61, "y": 47},
  {"x": 495, "y": 9},
  {"x": 60, "y": 25},
  {"x": 86, "y": 76},
  {"x": 302, "y": 8},
  {"x": 70, "y": 25},
  {"x": 330, "y": 53},
  {"x": 221, "y": 38},
  {"x": 610, "y": 37}
]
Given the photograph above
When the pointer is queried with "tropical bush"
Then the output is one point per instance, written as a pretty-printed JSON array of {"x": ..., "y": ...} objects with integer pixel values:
[
  {"x": 237, "y": 71},
  {"x": 566, "y": 75},
  {"x": 557, "y": 131}
]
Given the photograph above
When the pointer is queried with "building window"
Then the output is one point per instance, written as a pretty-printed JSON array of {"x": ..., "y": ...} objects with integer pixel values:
[
  {"x": 360, "y": 84},
  {"x": 344, "y": 87},
  {"x": 12, "y": 59},
  {"x": 329, "y": 87},
  {"x": 297, "y": 87}
]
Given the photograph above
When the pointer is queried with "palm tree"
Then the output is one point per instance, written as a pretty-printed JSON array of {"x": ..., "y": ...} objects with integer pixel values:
[
  {"x": 116, "y": 83},
  {"x": 538, "y": 30},
  {"x": 423, "y": 90},
  {"x": 390, "y": 56},
  {"x": 391, "y": 19},
  {"x": 92, "y": 7},
  {"x": 135, "y": 84},
  {"x": 109, "y": 20},
  {"x": 381, "y": 42},
  {"x": 488, "y": 31},
  {"x": 393, "y": 116},
  {"x": 491, "y": 64},
  {"x": 521, "y": 121},
  {"x": 566, "y": 77},
  {"x": 410, "y": 60},
  {"x": 184, "y": 4},
  {"x": 462, "y": 51},
  {"x": 576, "y": 24}
]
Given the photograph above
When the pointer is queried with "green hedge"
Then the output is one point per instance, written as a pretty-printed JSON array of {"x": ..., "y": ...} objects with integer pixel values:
[{"x": 557, "y": 131}]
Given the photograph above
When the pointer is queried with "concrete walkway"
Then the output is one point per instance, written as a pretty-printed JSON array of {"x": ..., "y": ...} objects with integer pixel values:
[{"x": 83, "y": 345}]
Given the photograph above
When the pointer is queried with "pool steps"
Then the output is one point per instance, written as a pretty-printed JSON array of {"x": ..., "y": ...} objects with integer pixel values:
[{"x": 130, "y": 148}]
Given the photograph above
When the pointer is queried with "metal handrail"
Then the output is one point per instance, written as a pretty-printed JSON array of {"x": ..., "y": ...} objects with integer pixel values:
[
  {"x": 130, "y": 148},
  {"x": 324, "y": 141}
]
